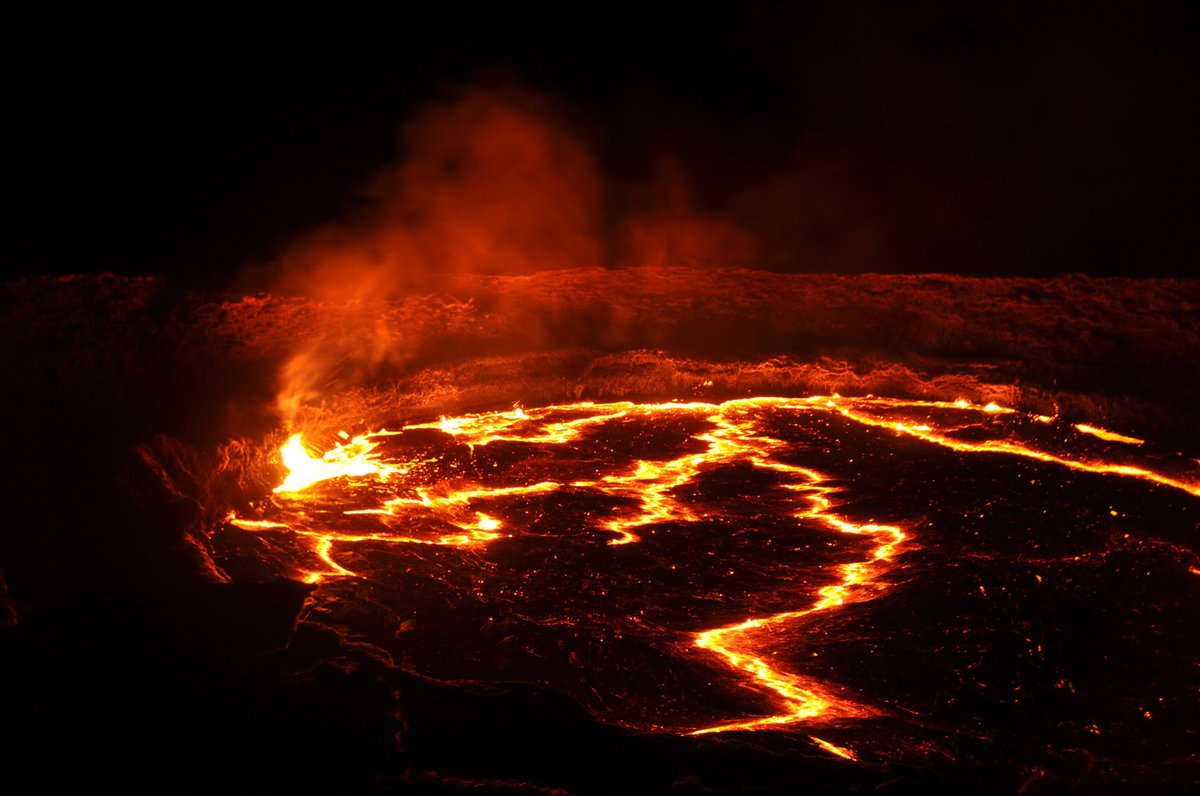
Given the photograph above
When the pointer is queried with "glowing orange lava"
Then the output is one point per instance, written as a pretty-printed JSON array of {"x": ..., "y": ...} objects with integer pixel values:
[
  {"x": 740, "y": 644},
  {"x": 1110, "y": 436},
  {"x": 647, "y": 493},
  {"x": 353, "y": 458}
]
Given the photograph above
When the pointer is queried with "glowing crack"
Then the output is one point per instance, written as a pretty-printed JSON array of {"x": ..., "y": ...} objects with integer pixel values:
[{"x": 648, "y": 492}]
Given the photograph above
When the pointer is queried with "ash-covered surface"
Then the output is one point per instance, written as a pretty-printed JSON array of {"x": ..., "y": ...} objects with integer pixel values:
[{"x": 139, "y": 416}]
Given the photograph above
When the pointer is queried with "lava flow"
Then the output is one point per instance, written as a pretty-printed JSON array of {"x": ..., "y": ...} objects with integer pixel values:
[{"x": 739, "y": 547}]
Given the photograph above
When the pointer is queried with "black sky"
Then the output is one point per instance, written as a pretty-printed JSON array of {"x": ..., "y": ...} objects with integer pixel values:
[{"x": 984, "y": 138}]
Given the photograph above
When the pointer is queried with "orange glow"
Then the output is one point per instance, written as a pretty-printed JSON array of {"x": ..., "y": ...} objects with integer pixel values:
[
  {"x": 651, "y": 492},
  {"x": 1109, "y": 436},
  {"x": 351, "y": 459},
  {"x": 252, "y": 525},
  {"x": 492, "y": 180},
  {"x": 840, "y": 751},
  {"x": 801, "y": 697},
  {"x": 666, "y": 229},
  {"x": 1189, "y": 485}
]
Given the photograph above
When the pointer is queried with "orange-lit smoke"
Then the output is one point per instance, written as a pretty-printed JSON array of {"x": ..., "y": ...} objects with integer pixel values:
[
  {"x": 663, "y": 227},
  {"x": 494, "y": 179},
  {"x": 490, "y": 181}
]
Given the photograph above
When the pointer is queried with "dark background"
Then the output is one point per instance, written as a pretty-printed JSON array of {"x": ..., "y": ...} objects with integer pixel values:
[{"x": 975, "y": 138}]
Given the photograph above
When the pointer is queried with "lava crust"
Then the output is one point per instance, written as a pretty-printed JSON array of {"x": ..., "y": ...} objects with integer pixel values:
[{"x": 740, "y": 532}]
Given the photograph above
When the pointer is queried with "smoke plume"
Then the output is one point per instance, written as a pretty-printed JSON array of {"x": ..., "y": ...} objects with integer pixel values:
[{"x": 489, "y": 181}]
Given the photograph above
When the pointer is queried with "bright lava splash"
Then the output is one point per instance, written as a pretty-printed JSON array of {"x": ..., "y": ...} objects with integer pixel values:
[{"x": 775, "y": 547}]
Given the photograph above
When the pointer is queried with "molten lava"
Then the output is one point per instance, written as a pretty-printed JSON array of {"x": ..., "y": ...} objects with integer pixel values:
[
  {"x": 351, "y": 459},
  {"x": 637, "y": 475}
]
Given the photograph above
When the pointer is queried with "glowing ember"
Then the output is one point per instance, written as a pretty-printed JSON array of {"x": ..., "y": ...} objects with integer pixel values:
[
  {"x": 1111, "y": 436},
  {"x": 628, "y": 475}
]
